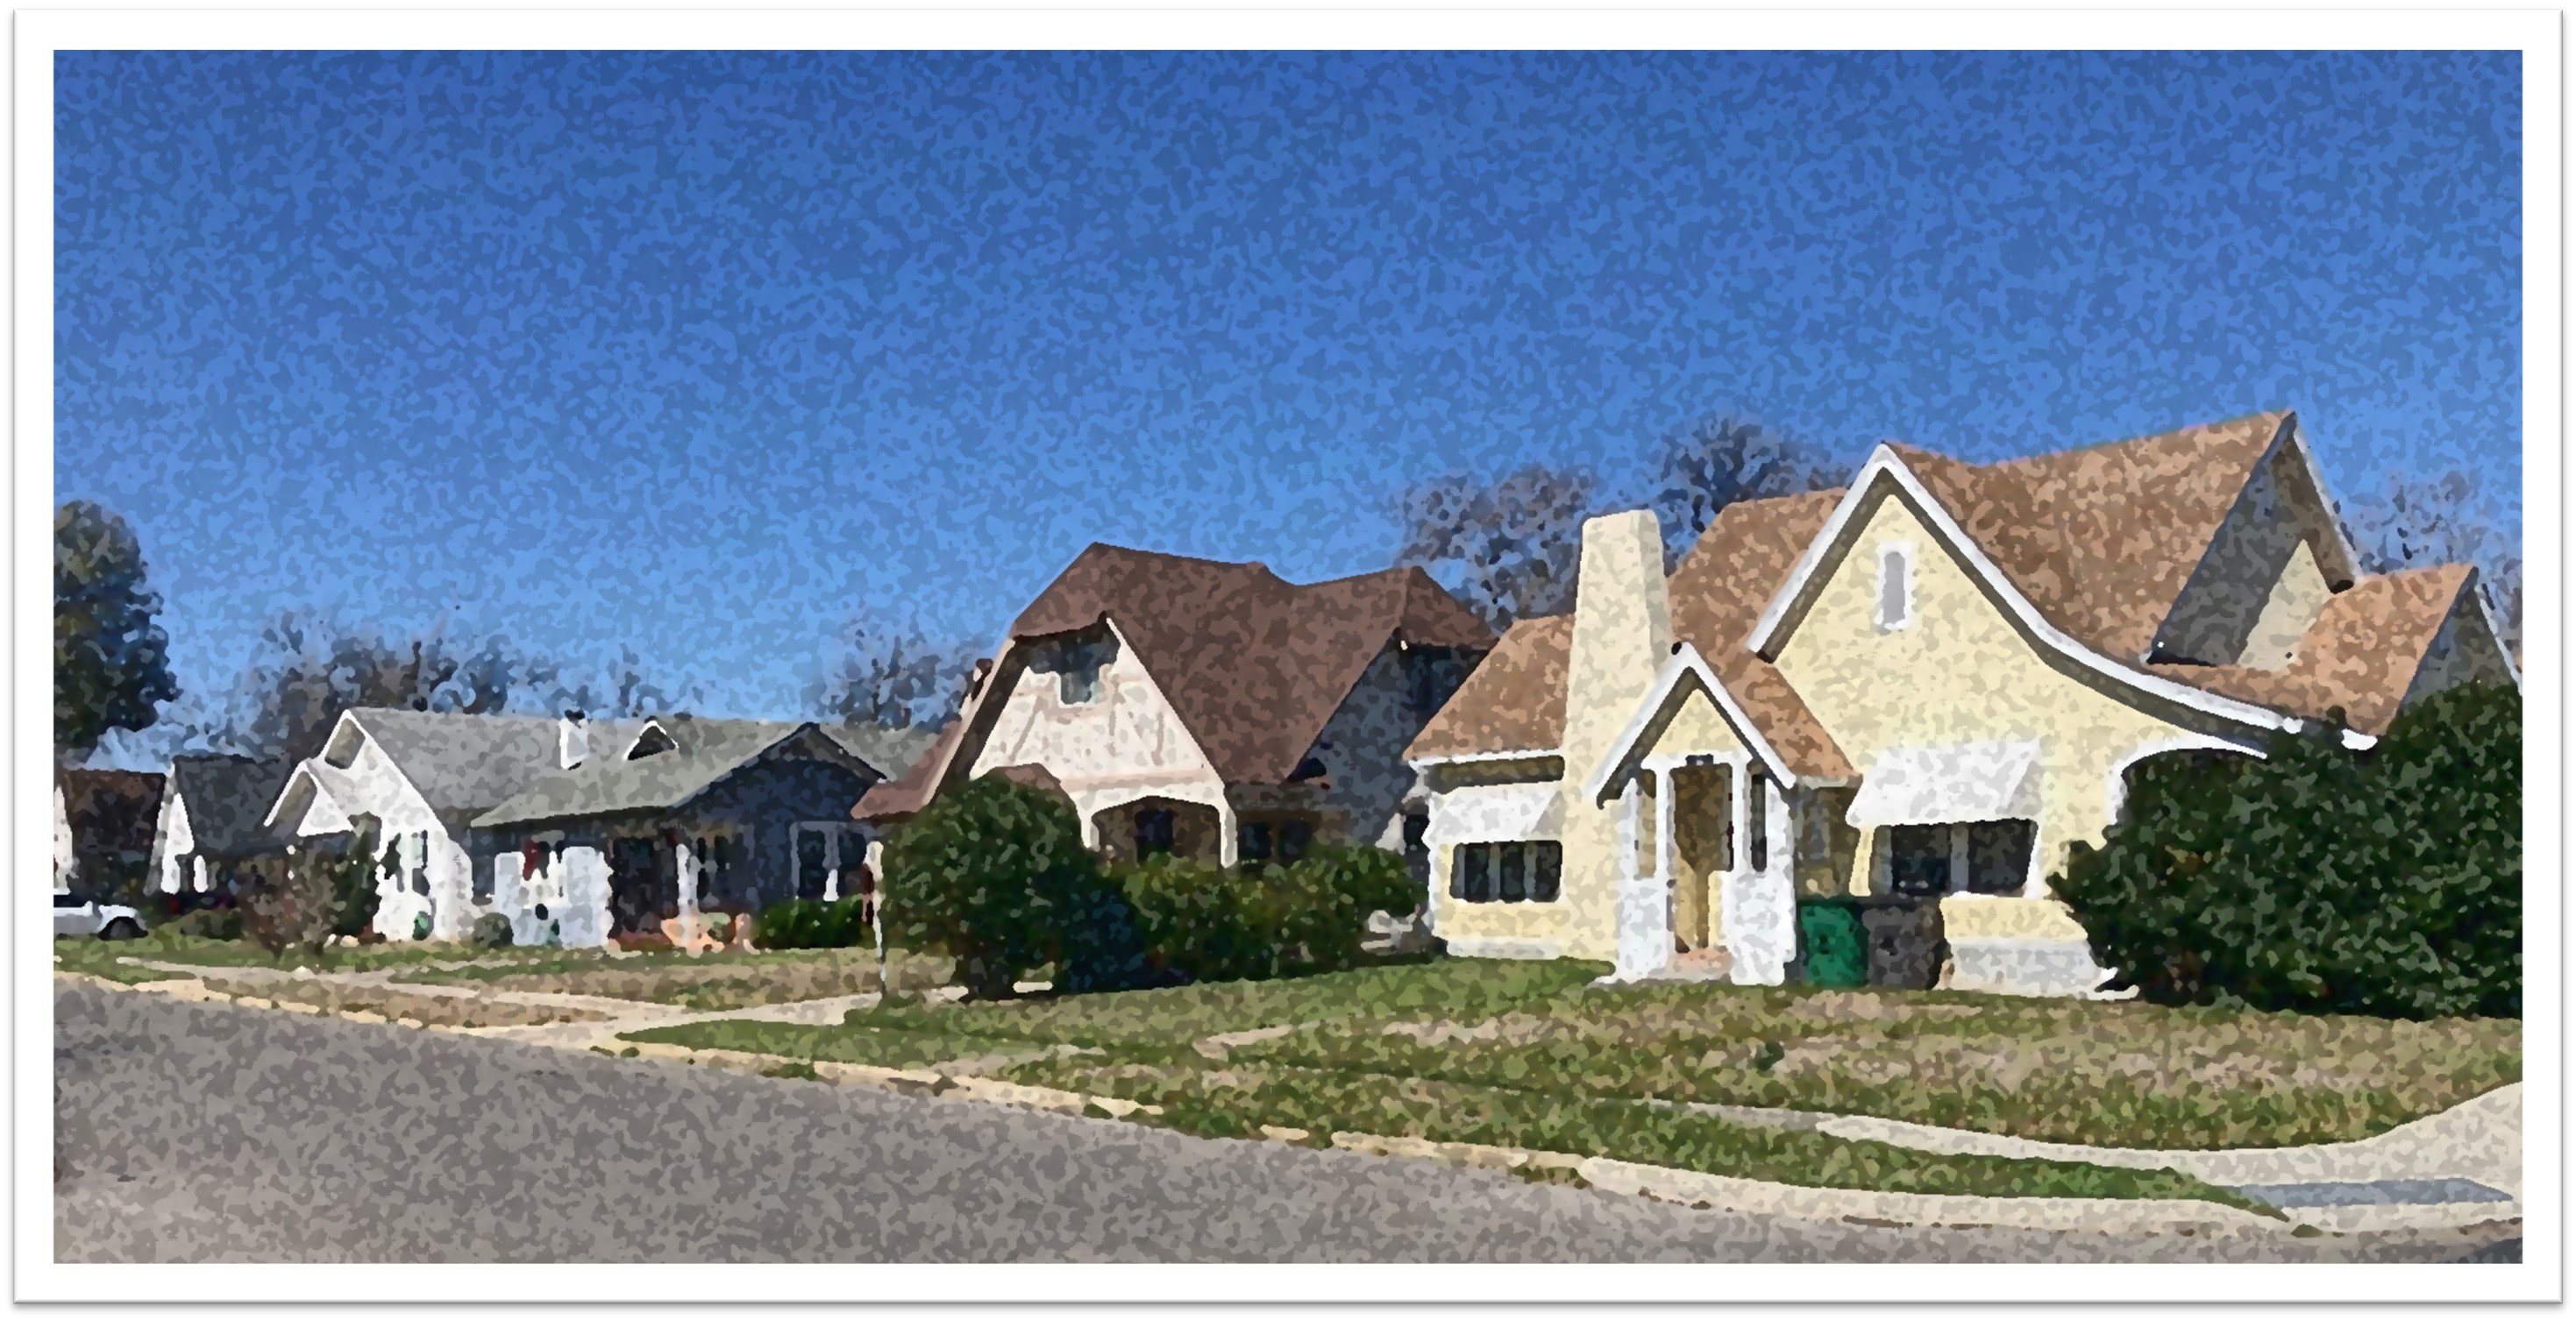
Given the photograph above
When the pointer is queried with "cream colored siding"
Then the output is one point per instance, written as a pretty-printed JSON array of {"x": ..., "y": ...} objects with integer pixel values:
[
  {"x": 1961, "y": 672},
  {"x": 1125, "y": 744},
  {"x": 2297, "y": 598},
  {"x": 1501, "y": 803}
]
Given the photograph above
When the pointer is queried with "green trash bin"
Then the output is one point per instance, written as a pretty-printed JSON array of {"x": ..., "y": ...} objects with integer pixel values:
[{"x": 1833, "y": 947}]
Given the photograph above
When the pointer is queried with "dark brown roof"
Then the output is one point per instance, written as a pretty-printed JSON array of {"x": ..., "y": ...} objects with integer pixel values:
[
  {"x": 2102, "y": 539},
  {"x": 1515, "y": 700},
  {"x": 111, "y": 811},
  {"x": 1253, "y": 664},
  {"x": 1718, "y": 592},
  {"x": 2361, "y": 654}
]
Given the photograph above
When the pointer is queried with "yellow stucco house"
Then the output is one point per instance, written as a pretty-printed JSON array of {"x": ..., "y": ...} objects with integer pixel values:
[{"x": 1930, "y": 683}]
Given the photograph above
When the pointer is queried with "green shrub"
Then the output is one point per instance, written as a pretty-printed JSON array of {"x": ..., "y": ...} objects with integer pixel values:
[
  {"x": 1200, "y": 923},
  {"x": 2320, "y": 879},
  {"x": 991, "y": 874},
  {"x": 207, "y": 924},
  {"x": 492, "y": 931},
  {"x": 813, "y": 924}
]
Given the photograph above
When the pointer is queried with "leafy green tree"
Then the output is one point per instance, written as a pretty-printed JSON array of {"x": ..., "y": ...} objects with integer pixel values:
[
  {"x": 2319, "y": 878},
  {"x": 111, "y": 661},
  {"x": 991, "y": 873}
]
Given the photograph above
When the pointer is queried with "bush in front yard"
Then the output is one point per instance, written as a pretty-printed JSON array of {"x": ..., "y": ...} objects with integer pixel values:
[
  {"x": 813, "y": 924},
  {"x": 2320, "y": 879},
  {"x": 991, "y": 874},
  {"x": 492, "y": 931},
  {"x": 1201, "y": 923}
]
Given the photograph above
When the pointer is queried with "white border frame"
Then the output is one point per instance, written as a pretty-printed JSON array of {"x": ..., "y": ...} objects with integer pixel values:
[{"x": 2536, "y": 33}]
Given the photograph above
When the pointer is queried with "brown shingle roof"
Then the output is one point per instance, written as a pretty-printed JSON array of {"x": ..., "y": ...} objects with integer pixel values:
[
  {"x": 1718, "y": 592},
  {"x": 1253, "y": 664},
  {"x": 2102, "y": 539},
  {"x": 2361, "y": 653},
  {"x": 1515, "y": 700},
  {"x": 909, "y": 792}
]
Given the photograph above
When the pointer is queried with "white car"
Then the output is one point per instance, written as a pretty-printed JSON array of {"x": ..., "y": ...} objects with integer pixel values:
[{"x": 80, "y": 915}]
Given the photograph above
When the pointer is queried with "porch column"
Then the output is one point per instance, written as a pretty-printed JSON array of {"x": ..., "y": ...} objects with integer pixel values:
[
  {"x": 687, "y": 859},
  {"x": 1227, "y": 827},
  {"x": 1628, "y": 826},
  {"x": 1664, "y": 812}
]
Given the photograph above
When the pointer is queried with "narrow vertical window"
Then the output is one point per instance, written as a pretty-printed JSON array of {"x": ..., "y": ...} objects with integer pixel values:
[
  {"x": 1757, "y": 821},
  {"x": 1895, "y": 587},
  {"x": 1547, "y": 866},
  {"x": 1512, "y": 885}
]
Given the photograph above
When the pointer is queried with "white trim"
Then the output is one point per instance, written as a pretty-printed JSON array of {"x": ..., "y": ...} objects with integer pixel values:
[
  {"x": 1463, "y": 758},
  {"x": 2296, "y": 437},
  {"x": 2116, "y": 790},
  {"x": 1769, "y": 631},
  {"x": 1686, "y": 660},
  {"x": 1903, "y": 552},
  {"x": 1505, "y": 947},
  {"x": 2495, "y": 630}
]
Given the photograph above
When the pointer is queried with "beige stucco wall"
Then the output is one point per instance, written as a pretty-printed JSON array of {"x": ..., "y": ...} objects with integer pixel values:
[
  {"x": 1962, "y": 671},
  {"x": 1622, "y": 639},
  {"x": 1125, "y": 744},
  {"x": 1494, "y": 803},
  {"x": 2297, "y": 598}
]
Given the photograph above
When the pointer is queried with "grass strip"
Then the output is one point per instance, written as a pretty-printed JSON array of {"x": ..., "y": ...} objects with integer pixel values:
[
  {"x": 885, "y": 1048},
  {"x": 1237, "y": 1103}
]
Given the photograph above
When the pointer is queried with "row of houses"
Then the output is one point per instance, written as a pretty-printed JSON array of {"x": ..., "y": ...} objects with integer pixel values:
[{"x": 1929, "y": 682}]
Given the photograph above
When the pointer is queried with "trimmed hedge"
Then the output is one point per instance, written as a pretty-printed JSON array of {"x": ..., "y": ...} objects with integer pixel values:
[
  {"x": 2320, "y": 879},
  {"x": 813, "y": 924},
  {"x": 1201, "y": 923}
]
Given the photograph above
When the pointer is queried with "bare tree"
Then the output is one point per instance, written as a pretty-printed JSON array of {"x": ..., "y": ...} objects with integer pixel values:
[
  {"x": 2441, "y": 520},
  {"x": 308, "y": 670},
  {"x": 624, "y": 692},
  {"x": 896, "y": 680},
  {"x": 1723, "y": 460},
  {"x": 1510, "y": 550}
]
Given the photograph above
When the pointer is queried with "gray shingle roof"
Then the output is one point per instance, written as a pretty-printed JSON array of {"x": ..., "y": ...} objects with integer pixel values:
[
  {"x": 463, "y": 763},
  {"x": 705, "y": 751},
  {"x": 227, "y": 799}
]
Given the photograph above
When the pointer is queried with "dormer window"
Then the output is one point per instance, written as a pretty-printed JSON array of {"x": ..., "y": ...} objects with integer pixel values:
[
  {"x": 1895, "y": 587},
  {"x": 654, "y": 739},
  {"x": 1076, "y": 663}
]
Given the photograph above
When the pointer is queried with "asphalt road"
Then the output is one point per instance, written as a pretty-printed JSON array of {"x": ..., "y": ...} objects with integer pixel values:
[{"x": 195, "y": 1132}]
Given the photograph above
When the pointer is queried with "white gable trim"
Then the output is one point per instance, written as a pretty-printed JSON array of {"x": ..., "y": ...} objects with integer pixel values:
[
  {"x": 1686, "y": 661},
  {"x": 1464, "y": 758},
  {"x": 2495, "y": 627},
  {"x": 1772, "y": 629}
]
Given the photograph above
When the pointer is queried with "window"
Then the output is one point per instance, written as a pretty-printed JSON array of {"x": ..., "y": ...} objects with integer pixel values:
[
  {"x": 1076, "y": 663},
  {"x": 1294, "y": 836},
  {"x": 1154, "y": 832},
  {"x": 1757, "y": 821},
  {"x": 813, "y": 861},
  {"x": 1510, "y": 873},
  {"x": 1895, "y": 587},
  {"x": 1999, "y": 856},
  {"x": 1918, "y": 860},
  {"x": 1252, "y": 843},
  {"x": 487, "y": 879},
  {"x": 1431, "y": 677}
]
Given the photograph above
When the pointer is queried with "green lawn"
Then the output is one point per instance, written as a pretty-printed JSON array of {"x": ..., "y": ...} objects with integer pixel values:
[
  {"x": 1147, "y": 1024},
  {"x": 1236, "y": 1103},
  {"x": 728, "y": 979},
  {"x": 2113, "y": 1074},
  {"x": 97, "y": 958}
]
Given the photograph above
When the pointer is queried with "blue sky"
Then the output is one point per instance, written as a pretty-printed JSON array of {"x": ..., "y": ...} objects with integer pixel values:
[{"x": 710, "y": 355}]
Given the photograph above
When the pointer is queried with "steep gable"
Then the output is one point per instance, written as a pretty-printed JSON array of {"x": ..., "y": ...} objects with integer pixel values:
[{"x": 1253, "y": 665}]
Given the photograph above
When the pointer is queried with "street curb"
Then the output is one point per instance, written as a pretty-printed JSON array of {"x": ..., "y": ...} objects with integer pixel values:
[
  {"x": 2182, "y": 1216},
  {"x": 2101, "y": 1215}
]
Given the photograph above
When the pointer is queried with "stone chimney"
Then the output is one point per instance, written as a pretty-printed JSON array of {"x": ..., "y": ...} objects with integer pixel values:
[
  {"x": 572, "y": 739},
  {"x": 1623, "y": 637}
]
